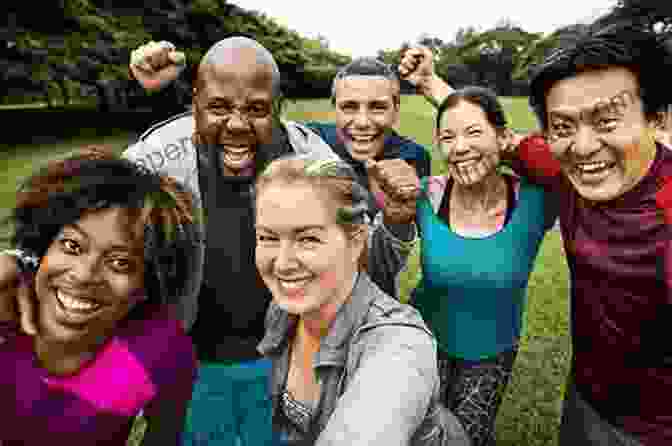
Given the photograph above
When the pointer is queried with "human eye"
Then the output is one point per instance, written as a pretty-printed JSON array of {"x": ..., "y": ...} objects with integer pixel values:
[
  {"x": 121, "y": 264},
  {"x": 379, "y": 106},
  {"x": 265, "y": 238},
  {"x": 607, "y": 123},
  {"x": 220, "y": 108},
  {"x": 70, "y": 246},
  {"x": 349, "y": 107},
  {"x": 258, "y": 110},
  {"x": 309, "y": 240},
  {"x": 475, "y": 132},
  {"x": 561, "y": 128},
  {"x": 447, "y": 137}
]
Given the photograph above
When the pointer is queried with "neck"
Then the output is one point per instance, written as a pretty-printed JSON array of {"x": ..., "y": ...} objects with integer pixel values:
[
  {"x": 61, "y": 358},
  {"x": 317, "y": 325},
  {"x": 481, "y": 196}
]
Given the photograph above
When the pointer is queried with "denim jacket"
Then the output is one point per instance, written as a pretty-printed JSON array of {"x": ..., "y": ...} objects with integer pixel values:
[{"x": 378, "y": 374}]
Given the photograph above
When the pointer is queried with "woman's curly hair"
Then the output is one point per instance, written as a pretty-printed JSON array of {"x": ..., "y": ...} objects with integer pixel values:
[{"x": 158, "y": 212}]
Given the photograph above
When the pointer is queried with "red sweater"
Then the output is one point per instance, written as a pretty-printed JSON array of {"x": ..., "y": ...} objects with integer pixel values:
[{"x": 619, "y": 257}]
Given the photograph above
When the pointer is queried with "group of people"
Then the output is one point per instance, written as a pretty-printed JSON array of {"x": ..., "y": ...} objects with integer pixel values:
[{"x": 232, "y": 277}]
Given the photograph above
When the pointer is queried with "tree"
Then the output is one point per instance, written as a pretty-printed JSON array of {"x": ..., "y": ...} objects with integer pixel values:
[{"x": 84, "y": 45}]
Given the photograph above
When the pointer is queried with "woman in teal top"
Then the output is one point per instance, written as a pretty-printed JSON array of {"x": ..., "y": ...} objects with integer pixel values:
[{"x": 480, "y": 232}]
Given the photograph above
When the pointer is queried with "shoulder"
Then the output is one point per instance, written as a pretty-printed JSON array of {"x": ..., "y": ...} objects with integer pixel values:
[
  {"x": 306, "y": 140},
  {"x": 386, "y": 314},
  {"x": 435, "y": 188},
  {"x": 160, "y": 342},
  {"x": 167, "y": 148},
  {"x": 176, "y": 125},
  {"x": 166, "y": 144}
]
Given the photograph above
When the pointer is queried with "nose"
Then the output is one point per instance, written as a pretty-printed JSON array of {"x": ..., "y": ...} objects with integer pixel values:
[
  {"x": 586, "y": 141},
  {"x": 361, "y": 119},
  {"x": 237, "y": 123},
  {"x": 457, "y": 148},
  {"x": 286, "y": 259},
  {"x": 86, "y": 271}
]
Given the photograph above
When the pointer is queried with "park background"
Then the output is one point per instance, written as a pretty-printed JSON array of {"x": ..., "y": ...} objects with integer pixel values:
[{"x": 64, "y": 84}]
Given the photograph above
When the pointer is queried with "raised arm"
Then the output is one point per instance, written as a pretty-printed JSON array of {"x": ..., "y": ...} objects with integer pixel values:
[
  {"x": 417, "y": 67},
  {"x": 160, "y": 71}
]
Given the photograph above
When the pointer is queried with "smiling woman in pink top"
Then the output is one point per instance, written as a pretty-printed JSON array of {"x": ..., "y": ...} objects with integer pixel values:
[{"x": 104, "y": 245}]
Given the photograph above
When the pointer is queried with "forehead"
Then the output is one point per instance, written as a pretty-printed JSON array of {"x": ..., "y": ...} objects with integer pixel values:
[
  {"x": 105, "y": 227},
  {"x": 588, "y": 88},
  {"x": 364, "y": 88},
  {"x": 463, "y": 114},
  {"x": 236, "y": 74},
  {"x": 277, "y": 206}
]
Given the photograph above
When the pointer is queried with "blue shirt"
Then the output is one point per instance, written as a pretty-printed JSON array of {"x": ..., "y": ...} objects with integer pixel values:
[
  {"x": 472, "y": 293},
  {"x": 396, "y": 146}
]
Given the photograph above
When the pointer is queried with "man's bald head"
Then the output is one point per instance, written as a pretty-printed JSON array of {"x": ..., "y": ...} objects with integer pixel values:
[{"x": 238, "y": 50}]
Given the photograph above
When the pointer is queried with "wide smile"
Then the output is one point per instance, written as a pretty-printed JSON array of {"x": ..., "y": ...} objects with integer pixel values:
[
  {"x": 237, "y": 154},
  {"x": 592, "y": 172},
  {"x": 467, "y": 163},
  {"x": 364, "y": 138},
  {"x": 76, "y": 310},
  {"x": 293, "y": 287}
]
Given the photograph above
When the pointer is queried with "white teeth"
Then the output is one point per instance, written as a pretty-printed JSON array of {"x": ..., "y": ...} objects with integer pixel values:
[
  {"x": 237, "y": 155},
  {"x": 363, "y": 138},
  {"x": 72, "y": 303},
  {"x": 466, "y": 163},
  {"x": 293, "y": 284},
  {"x": 592, "y": 167}
]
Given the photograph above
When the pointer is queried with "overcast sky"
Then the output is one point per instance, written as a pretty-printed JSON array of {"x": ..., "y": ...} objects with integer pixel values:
[{"x": 361, "y": 27}]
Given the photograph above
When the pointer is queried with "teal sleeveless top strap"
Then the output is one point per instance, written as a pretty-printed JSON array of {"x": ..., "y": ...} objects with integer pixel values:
[{"x": 473, "y": 291}]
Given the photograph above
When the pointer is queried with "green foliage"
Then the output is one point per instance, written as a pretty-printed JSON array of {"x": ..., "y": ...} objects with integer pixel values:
[{"x": 77, "y": 43}]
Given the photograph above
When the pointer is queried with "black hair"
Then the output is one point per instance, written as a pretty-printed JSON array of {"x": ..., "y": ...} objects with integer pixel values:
[
  {"x": 366, "y": 66},
  {"x": 622, "y": 43},
  {"x": 483, "y": 97}
]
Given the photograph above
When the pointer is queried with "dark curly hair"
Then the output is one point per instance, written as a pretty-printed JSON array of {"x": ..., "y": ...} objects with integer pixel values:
[{"x": 159, "y": 214}]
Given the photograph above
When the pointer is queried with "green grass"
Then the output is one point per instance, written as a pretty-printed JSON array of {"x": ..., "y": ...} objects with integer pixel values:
[{"x": 530, "y": 412}]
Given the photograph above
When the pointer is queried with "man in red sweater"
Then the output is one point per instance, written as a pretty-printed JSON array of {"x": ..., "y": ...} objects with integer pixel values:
[{"x": 600, "y": 101}]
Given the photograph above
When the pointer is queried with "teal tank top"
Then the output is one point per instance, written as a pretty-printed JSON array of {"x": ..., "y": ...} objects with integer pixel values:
[{"x": 473, "y": 291}]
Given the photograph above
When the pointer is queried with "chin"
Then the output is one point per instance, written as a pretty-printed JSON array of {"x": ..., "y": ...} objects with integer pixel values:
[
  {"x": 363, "y": 153},
  {"x": 599, "y": 193}
]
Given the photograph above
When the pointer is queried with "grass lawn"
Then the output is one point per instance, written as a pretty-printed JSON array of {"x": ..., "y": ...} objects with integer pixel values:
[{"x": 531, "y": 409}]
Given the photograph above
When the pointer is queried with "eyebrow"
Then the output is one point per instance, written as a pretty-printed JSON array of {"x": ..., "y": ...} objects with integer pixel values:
[
  {"x": 598, "y": 105},
  {"x": 469, "y": 127},
  {"x": 83, "y": 233},
  {"x": 296, "y": 230}
]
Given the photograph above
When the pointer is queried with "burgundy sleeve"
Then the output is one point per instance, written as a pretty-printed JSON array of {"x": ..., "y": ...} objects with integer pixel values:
[
  {"x": 664, "y": 202},
  {"x": 536, "y": 163}
]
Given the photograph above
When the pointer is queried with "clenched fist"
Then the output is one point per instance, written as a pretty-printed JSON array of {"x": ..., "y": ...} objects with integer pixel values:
[
  {"x": 396, "y": 186},
  {"x": 417, "y": 66},
  {"x": 17, "y": 300},
  {"x": 156, "y": 64}
]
